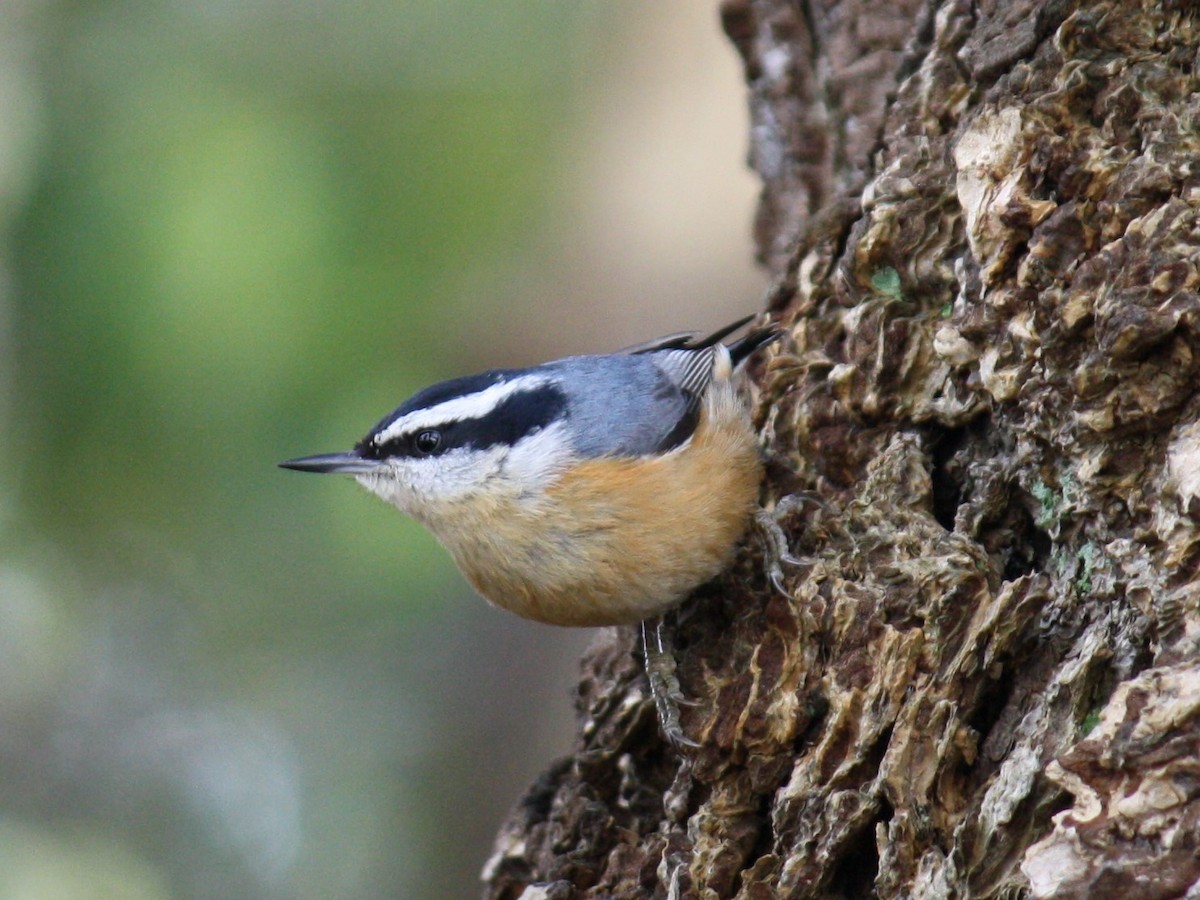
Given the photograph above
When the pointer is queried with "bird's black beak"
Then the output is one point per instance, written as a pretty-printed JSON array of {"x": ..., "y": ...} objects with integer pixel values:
[{"x": 336, "y": 463}]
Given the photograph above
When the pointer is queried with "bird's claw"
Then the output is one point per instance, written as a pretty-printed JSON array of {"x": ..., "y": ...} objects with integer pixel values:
[
  {"x": 664, "y": 685},
  {"x": 778, "y": 552}
]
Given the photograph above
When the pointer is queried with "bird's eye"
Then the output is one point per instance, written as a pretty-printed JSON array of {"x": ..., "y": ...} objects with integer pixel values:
[{"x": 427, "y": 442}]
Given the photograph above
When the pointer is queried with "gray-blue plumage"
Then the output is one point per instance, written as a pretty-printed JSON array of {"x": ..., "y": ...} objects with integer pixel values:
[
  {"x": 607, "y": 408},
  {"x": 629, "y": 405},
  {"x": 644, "y": 400}
]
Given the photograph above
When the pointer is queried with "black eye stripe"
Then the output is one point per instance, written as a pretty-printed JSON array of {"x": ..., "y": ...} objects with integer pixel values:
[{"x": 516, "y": 416}]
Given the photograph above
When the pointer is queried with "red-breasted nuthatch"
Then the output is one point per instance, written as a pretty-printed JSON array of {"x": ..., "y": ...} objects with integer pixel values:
[{"x": 592, "y": 490}]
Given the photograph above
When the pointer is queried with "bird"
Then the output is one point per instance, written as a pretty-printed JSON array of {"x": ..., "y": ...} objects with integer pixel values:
[{"x": 586, "y": 491}]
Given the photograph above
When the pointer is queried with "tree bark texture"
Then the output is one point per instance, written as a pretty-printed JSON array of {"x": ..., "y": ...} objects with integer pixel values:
[{"x": 982, "y": 677}]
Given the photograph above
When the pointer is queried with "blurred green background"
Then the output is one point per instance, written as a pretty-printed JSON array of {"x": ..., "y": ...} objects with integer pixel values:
[{"x": 237, "y": 232}]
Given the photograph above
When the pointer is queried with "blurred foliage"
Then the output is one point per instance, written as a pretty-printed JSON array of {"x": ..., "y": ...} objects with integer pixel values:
[
  {"x": 237, "y": 240},
  {"x": 214, "y": 233}
]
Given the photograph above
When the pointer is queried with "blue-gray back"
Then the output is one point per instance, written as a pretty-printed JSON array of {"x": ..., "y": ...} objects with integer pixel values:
[{"x": 633, "y": 405}]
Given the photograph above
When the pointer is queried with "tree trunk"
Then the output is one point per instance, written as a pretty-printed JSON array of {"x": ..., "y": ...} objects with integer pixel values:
[{"x": 983, "y": 680}]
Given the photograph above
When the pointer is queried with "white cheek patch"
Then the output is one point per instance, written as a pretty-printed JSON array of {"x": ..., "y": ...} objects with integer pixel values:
[
  {"x": 424, "y": 486},
  {"x": 538, "y": 458},
  {"x": 421, "y": 485},
  {"x": 458, "y": 409}
]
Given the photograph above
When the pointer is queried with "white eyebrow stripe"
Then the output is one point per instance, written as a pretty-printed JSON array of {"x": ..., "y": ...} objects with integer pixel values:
[{"x": 458, "y": 409}]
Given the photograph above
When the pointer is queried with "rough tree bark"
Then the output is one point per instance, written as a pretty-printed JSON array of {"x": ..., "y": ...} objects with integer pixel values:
[{"x": 983, "y": 680}]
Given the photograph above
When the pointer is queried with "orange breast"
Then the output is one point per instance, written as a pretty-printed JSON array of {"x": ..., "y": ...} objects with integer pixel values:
[{"x": 618, "y": 540}]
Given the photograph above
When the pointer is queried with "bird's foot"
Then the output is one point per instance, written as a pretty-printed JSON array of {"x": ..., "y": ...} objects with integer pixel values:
[
  {"x": 778, "y": 552},
  {"x": 664, "y": 685}
]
